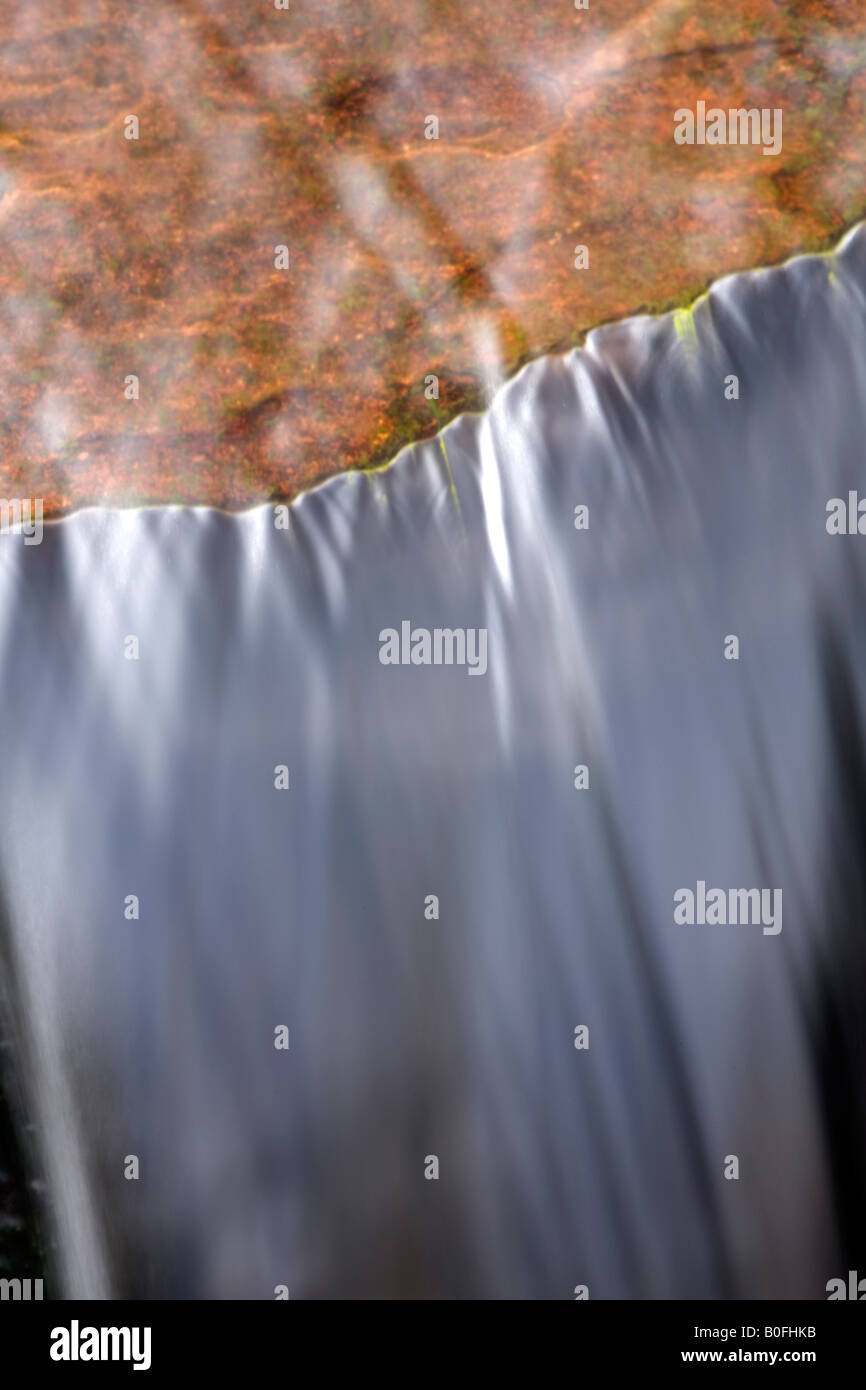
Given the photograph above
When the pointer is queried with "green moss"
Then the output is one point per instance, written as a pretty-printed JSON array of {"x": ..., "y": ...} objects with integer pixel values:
[
  {"x": 353, "y": 300},
  {"x": 684, "y": 324},
  {"x": 263, "y": 337},
  {"x": 452, "y": 485}
]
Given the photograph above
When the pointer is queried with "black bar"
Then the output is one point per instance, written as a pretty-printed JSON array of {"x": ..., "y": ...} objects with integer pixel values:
[{"x": 226, "y": 1339}]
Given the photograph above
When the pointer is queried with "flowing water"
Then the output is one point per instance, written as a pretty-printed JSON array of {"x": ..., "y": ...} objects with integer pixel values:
[{"x": 412, "y": 1036}]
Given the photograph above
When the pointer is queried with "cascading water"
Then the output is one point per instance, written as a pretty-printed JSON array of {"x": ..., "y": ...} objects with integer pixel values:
[{"x": 150, "y": 772}]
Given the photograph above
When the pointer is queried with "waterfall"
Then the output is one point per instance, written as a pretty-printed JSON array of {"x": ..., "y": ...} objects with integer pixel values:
[{"x": 373, "y": 965}]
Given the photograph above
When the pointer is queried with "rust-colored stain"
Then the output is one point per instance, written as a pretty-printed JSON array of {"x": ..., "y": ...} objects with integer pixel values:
[{"x": 409, "y": 257}]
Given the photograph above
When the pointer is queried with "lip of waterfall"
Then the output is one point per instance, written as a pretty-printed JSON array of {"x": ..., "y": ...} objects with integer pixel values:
[{"x": 174, "y": 898}]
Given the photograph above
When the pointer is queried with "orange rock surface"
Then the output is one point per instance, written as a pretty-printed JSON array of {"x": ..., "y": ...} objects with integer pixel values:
[{"x": 408, "y": 256}]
